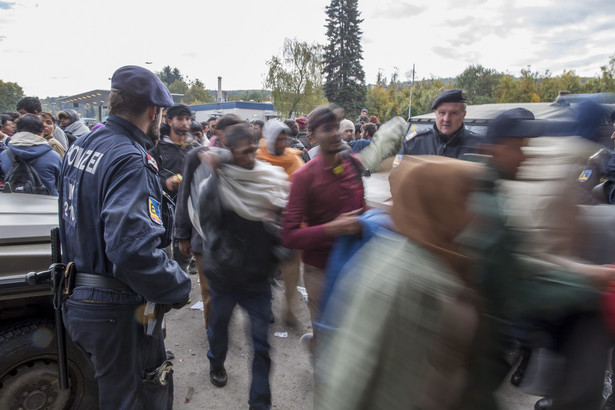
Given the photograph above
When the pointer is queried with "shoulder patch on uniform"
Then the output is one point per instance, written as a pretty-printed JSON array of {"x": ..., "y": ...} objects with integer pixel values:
[
  {"x": 411, "y": 135},
  {"x": 152, "y": 162},
  {"x": 598, "y": 153},
  {"x": 397, "y": 160},
  {"x": 585, "y": 175},
  {"x": 155, "y": 213}
]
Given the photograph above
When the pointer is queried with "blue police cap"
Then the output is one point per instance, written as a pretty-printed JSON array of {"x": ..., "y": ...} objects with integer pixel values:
[
  {"x": 514, "y": 123},
  {"x": 141, "y": 82},
  {"x": 458, "y": 96}
]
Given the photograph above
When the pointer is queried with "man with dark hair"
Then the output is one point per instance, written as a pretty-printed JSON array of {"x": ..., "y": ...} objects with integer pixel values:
[
  {"x": 255, "y": 194},
  {"x": 7, "y": 127},
  {"x": 257, "y": 129},
  {"x": 211, "y": 127},
  {"x": 218, "y": 139},
  {"x": 448, "y": 137},
  {"x": 189, "y": 239},
  {"x": 29, "y": 105},
  {"x": 170, "y": 155},
  {"x": 29, "y": 145},
  {"x": 32, "y": 105},
  {"x": 293, "y": 140},
  {"x": 71, "y": 124},
  {"x": 358, "y": 130},
  {"x": 326, "y": 196},
  {"x": 49, "y": 125},
  {"x": 170, "y": 152},
  {"x": 112, "y": 228},
  {"x": 196, "y": 130},
  {"x": 369, "y": 129}
]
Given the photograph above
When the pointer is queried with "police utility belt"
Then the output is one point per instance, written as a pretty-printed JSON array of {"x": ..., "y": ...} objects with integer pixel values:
[
  {"x": 153, "y": 313},
  {"x": 99, "y": 281}
]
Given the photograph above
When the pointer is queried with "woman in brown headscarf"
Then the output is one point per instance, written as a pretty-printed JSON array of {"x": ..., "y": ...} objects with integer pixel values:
[{"x": 407, "y": 316}]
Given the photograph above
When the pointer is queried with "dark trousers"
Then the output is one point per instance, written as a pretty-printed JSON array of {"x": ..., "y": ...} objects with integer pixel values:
[
  {"x": 258, "y": 306},
  {"x": 584, "y": 343},
  {"x": 107, "y": 325}
]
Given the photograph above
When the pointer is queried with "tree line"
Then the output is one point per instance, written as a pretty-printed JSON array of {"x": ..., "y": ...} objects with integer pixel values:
[
  {"x": 296, "y": 88},
  {"x": 484, "y": 86}
]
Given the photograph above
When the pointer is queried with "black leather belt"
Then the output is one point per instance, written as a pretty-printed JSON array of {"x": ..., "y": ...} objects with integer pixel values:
[{"x": 99, "y": 281}]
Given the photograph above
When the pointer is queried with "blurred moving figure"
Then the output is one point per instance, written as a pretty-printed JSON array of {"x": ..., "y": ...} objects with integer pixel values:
[
  {"x": 238, "y": 206},
  {"x": 274, "y": 149},
  {"x": 527, "y": 276},
  {"x": 405, "y": 312}
]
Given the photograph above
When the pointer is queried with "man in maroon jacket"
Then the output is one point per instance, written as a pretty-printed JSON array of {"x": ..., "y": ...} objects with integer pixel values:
[{"x": 326, "y": 196}]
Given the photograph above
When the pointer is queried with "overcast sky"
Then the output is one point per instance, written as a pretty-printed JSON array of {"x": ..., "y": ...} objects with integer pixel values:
[{"x": 65, "y": 47}]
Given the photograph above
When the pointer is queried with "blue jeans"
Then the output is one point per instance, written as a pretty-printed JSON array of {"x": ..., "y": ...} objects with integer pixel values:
[
  {"x": 107, "y": 325},
  {"x": 258, "y": 306}
]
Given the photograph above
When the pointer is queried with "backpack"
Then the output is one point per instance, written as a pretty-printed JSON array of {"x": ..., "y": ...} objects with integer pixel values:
[{"x": 23, "y": 178}]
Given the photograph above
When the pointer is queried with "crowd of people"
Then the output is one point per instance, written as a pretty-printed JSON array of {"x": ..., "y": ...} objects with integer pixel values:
[{"x": 413, "y": 306}]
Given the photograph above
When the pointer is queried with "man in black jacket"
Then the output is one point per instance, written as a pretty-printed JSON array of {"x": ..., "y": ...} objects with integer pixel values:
[
  {"x": 171, "y": 150},
  {"x": 170, "y": 154},
  {"x": 448, "y": 137},
  {"x": 242, "y": 202}
]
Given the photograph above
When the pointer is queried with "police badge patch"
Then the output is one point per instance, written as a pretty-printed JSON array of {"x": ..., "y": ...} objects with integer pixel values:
[
  {"x": 154, "y": 211},
  {"x": 152, "y": 162},
  {"x": 585, "y": 175}
]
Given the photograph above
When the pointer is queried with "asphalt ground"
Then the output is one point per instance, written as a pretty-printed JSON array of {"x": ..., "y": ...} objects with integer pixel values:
[{"x": 291, "y": 376}]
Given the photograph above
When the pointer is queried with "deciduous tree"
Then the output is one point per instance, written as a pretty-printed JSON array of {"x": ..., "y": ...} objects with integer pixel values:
[
  {"x": 295, "y": 78},
  {"x": 197, "y": 94},
  {"x": 10, "y": 93}
]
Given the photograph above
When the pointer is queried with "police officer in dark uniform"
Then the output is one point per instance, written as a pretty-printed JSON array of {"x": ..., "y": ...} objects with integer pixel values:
[
  {"x": 448, "y": 137},
  {"x": 596, "y": 183},
  {"x": 112, "y": 229}
]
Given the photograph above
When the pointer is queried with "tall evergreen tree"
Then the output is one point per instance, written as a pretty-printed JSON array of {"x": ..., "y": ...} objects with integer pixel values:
[{"x": 344, "y": 75}]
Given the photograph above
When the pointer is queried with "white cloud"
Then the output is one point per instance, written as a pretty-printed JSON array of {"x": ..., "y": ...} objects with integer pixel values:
[{"x": 69, "y": 46}]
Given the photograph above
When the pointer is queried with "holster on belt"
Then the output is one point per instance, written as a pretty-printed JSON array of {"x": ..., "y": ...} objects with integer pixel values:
[
  {"x": 69, "y": 279},
  {"x": 152, "y": 318}
]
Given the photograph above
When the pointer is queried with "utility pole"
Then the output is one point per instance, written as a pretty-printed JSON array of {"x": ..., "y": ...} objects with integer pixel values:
[{"x": 411, "y": 87}]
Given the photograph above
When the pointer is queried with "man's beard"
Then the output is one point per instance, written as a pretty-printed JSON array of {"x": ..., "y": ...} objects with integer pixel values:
[
  {"x": 153, "y": 131},
  {"x": 179, "y": 131}
]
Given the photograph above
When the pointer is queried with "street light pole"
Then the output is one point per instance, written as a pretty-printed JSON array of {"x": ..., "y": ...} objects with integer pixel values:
[{"x": 411, "y": 87}]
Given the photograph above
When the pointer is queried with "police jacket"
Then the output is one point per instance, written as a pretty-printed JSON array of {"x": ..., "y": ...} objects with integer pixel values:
[
  {"x": 431, "y": 142},
  {"x": 170, "y": 158},
  {"x": 599, "y": 169},
  {"x": 111, "y": 213}
]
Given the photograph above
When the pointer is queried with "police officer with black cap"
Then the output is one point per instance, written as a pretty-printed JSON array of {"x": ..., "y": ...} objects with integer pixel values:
[
  {"x": 112, "y": 229},
  {"x": 448, "y": 137}
]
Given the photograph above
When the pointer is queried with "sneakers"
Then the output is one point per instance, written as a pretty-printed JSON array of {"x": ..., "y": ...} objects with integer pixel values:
[
  {"x": 192, "y": 267},
  {"x": 218, "y": 376},
  {"x": 307, "y": 340}
]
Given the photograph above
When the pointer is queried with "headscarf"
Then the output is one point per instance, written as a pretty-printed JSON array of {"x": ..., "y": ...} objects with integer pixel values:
[{"x": 430, "y": 203}]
